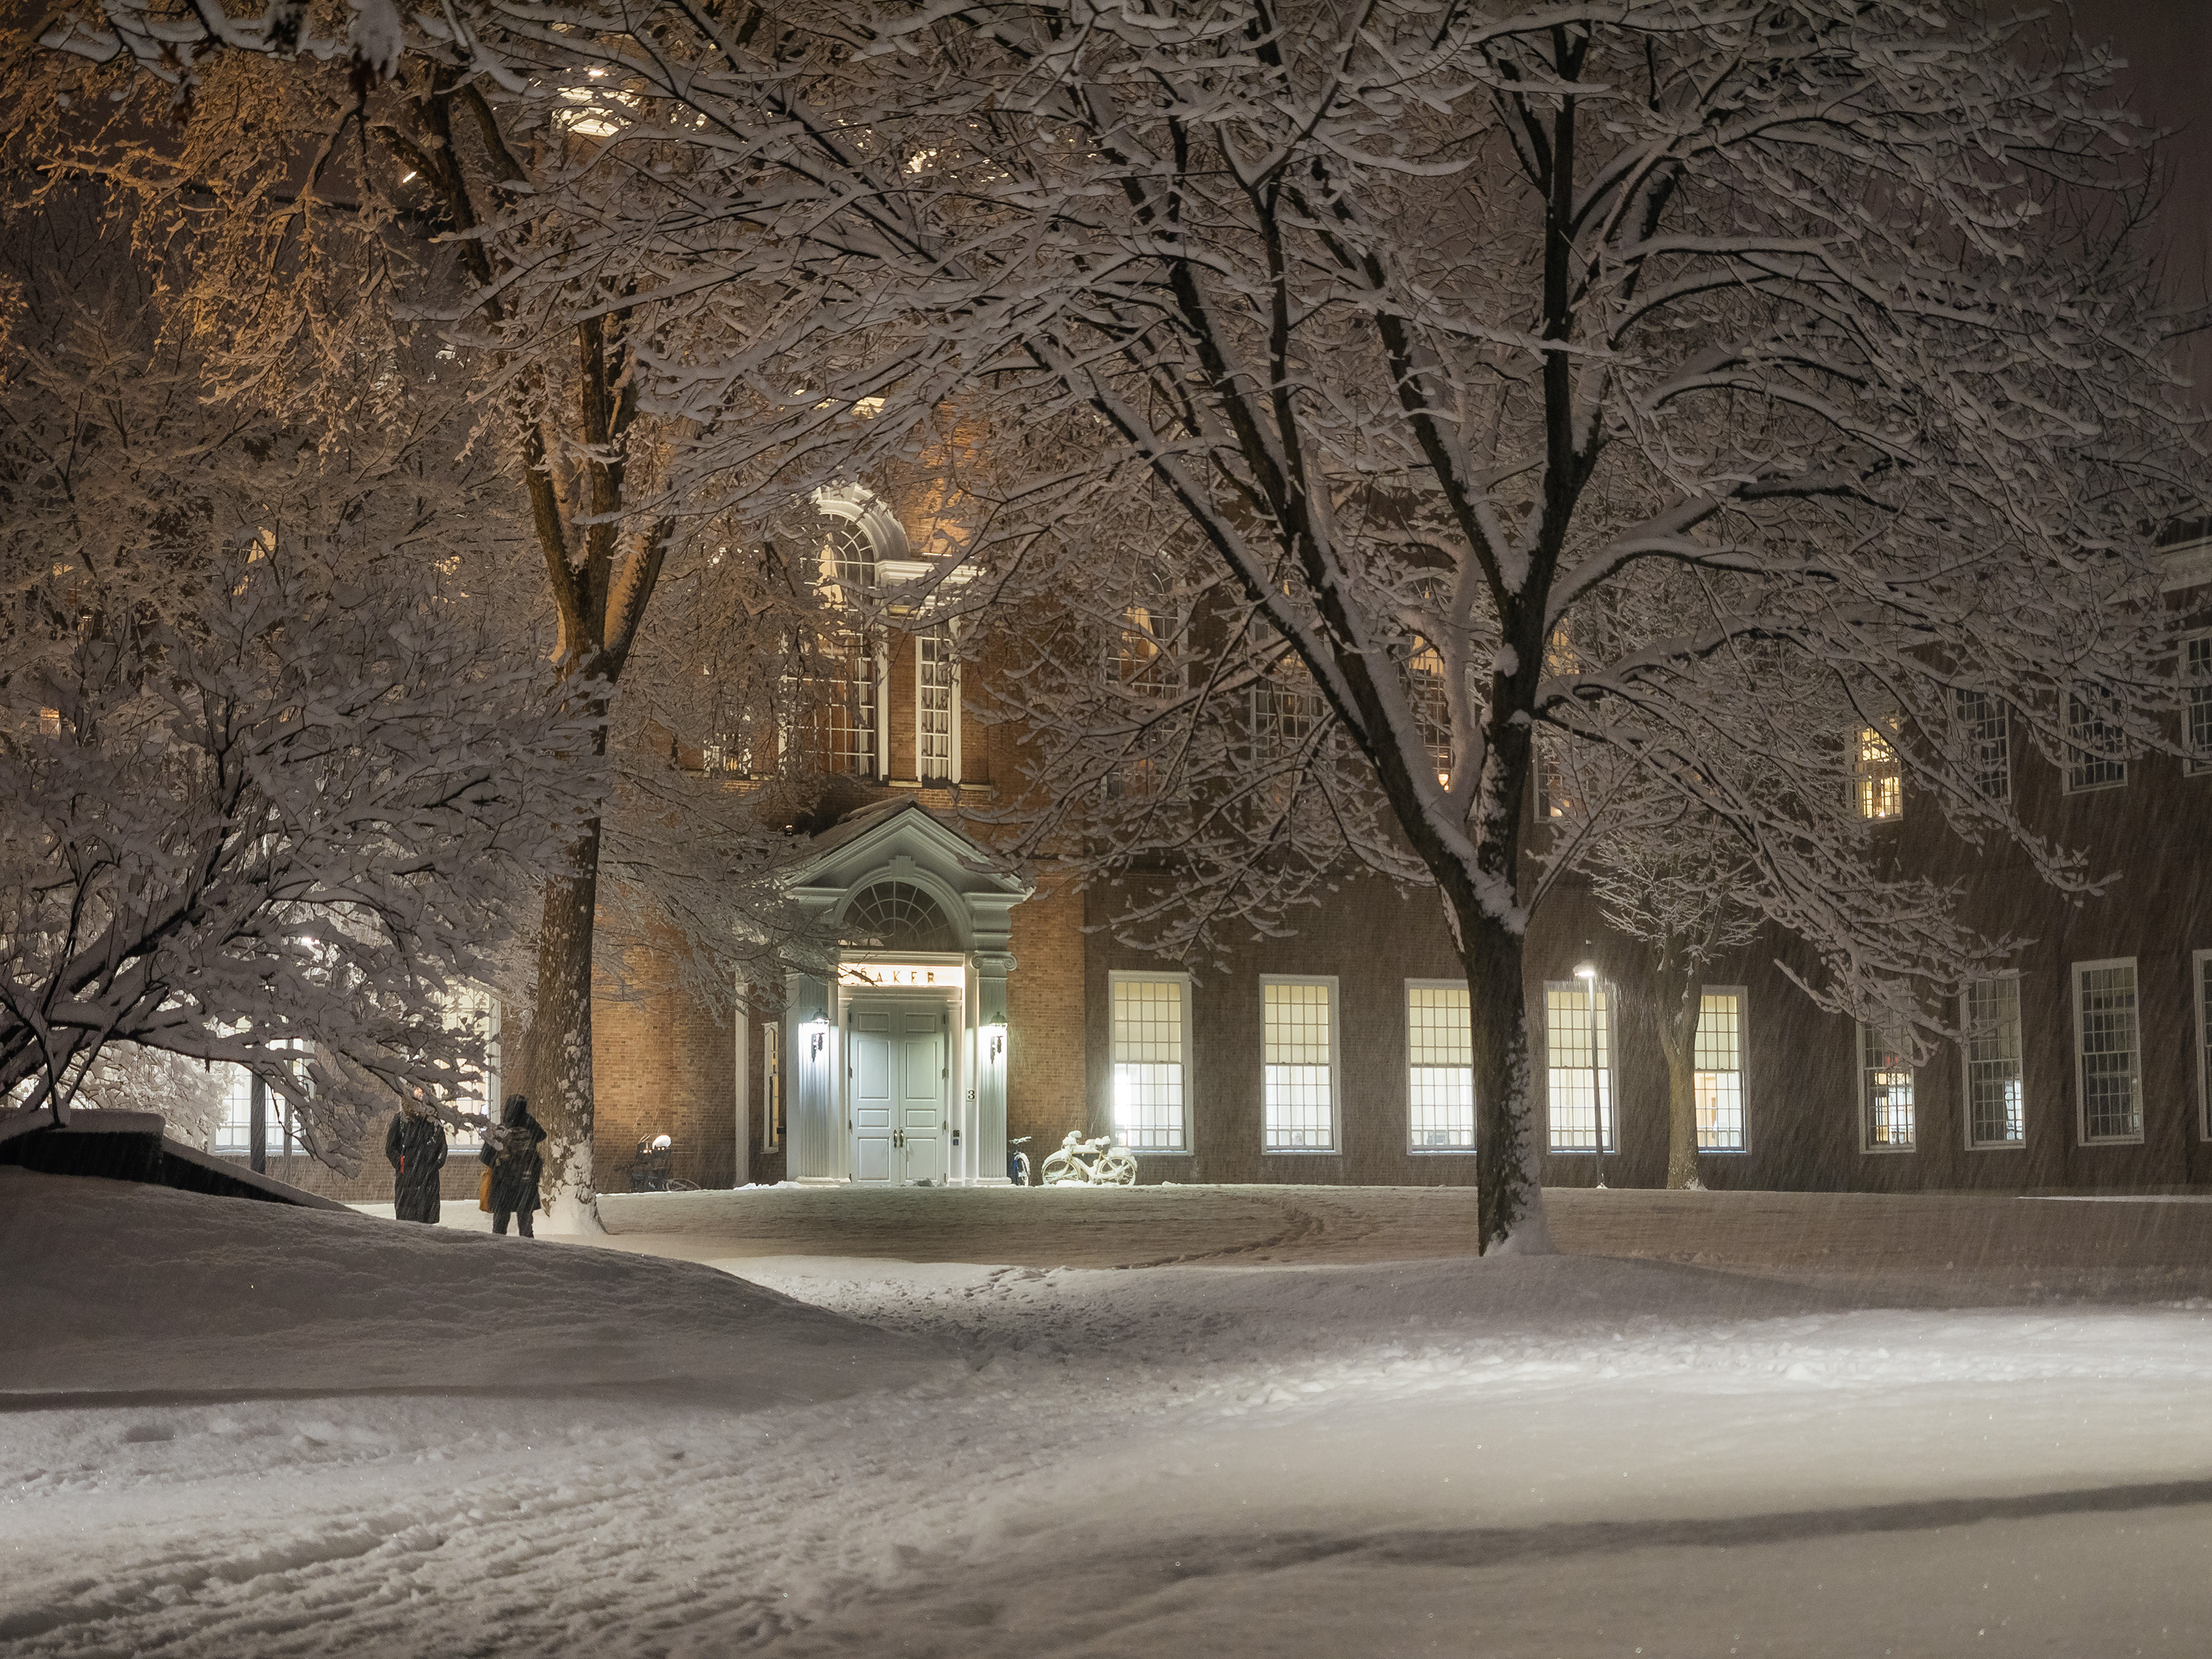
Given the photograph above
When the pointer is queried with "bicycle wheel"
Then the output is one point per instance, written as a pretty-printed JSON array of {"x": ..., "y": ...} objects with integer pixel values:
[{"x": 1117, "y": 1169}]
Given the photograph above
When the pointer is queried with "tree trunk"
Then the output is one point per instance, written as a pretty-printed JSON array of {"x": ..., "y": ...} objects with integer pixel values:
[
  {"x": 1508, "y": 1168},
  {"x": 561, "y": 1039},
  {"x": 1678, "y": 1040}
]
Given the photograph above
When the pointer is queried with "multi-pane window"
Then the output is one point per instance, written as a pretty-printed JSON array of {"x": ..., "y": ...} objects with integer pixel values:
[
  {"x": 2108, "y": 1047},
  {"x": 1151, "y": 1104},
  {"x": 1578, "y": 1065},
  {"x": 1284, "y": 706},
  {"x": 2202, "y": 965},
  {"x": 936, "y": 705},
  {"x": 1877, "y": 780},
  {"x": 1981, "y": 719},
  {"x": 1439, "y": 1069},
  {"x": 2197, "y": 719},
  {"x": 2093, "y": 744},
  {"x": 1146, "y": 670},
  {"x": 1994, "y": 1114},
  {"x": 1717, "y": 1070},
  {"x": 1886, "y": 1089},
  {"x": 1431, "y": 701},
  {"x": 840, "y": 707},
  {"x": 234, "y": 1131},
  {"x": 1299, "y": 1072}
]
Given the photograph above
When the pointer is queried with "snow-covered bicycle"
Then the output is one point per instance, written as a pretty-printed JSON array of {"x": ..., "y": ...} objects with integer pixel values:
[{"x": 1081, "y": 1163}]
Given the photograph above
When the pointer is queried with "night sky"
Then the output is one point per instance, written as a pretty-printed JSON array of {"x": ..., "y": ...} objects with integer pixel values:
[{"x": 2168, "y": 46}]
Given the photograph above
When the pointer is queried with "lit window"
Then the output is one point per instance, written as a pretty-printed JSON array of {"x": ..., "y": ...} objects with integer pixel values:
[
  {"x": 1431, "y": 700},
  {"x": 1578, "y": 1065},
  {"x": 1994, "y": 1116},
  {"x": 1877, "y": 780},
  {"x": 2196, "y": 725},
  {"x": 1299, "y": 1065},
  {"x": 1718, "y": 1070},
  {"x": 2091, "y": 745},
  {"x": 1439, "y": 1069},
  {"x": 235, "y": 1129},
  {"x": 2108, "y": 1049},
  {"x": 937, "y": 706},
  {"x": 475, "y": 1012},
  {"x": 1151, "y": 1108},
  {"x": 1982, "y": 718},
  {"x": 1886, "y": 1089}
]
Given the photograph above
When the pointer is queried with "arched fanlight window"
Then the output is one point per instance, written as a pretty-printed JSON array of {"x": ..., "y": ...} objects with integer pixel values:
[
  {"x": 849, "y": 556},
  {"x": 897, "y": 915}
]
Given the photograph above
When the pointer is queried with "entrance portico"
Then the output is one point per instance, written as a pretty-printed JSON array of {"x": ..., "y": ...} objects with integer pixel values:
[{"x": 895, "y": 1068}]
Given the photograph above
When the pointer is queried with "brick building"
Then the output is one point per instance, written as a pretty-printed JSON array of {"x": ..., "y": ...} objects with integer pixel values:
[{"x": 991, "y": 1002}]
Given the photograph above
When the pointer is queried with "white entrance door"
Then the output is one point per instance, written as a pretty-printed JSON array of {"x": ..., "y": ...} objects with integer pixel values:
[
  {"x": 872, "y": 1106},
  {"x": 895, "y": 1083},
  {"x": 921, "y": 1116}
]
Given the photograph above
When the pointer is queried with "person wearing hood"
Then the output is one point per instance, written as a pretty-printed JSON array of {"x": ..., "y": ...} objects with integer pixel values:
[
  {"x": 510, "y": 1151},
  {"x": 414, "y": 1145}
]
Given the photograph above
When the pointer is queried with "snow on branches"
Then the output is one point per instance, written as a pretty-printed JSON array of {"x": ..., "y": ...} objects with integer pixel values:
[{"x": 292, "y": 815}]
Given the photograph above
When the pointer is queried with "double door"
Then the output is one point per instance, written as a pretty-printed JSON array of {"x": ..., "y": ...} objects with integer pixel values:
[{"x": 896, "y": 1084}]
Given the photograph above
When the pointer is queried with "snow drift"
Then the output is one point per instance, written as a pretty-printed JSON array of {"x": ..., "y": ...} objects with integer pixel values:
[{"x": 263, "y": 1298}]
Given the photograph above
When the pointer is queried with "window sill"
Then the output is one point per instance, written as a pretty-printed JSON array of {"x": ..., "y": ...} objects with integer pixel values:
[
  {"x": 1888, "y": 1151},
  {"x": 1159, "y": 1152},
  {"x": 1302, "y": 1152},
  {"x": 2111, "y": 1140},
  {"x": 1996, "y": 1146},
  {"x": 1440, "y": 1152}
]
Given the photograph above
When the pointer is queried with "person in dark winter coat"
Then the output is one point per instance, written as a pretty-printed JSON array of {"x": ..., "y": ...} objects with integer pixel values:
[
  {"x": 415, "y": 1145},
  {"x": 511, "y": 1151}
]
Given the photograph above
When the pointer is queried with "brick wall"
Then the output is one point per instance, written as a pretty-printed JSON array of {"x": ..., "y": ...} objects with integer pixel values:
[
  {"x": 1046, "y": 1037},
  {"x": 661, "y": 1064}
]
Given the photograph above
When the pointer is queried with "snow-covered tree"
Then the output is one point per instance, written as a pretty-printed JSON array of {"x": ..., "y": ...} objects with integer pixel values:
[
  {"x": 419, "y": 216},
  {"x": 1437, "y": 327},
  {"x": 1428, "y": 327},
  {"x": 293, "y": 812}
]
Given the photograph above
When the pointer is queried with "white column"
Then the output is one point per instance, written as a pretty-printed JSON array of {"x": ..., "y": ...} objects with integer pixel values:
[
  {"x": 742, "y": 1104},
  {"x": 813, "y": 1102},
  {"x": 991, "y": 968}
]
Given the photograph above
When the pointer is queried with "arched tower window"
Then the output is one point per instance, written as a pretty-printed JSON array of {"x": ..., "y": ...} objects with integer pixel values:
[{"x": 897, "y": 915}]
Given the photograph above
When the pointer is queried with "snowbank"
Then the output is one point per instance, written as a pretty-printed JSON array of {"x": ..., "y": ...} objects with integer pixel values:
[{"x": 115, "y": 1288}]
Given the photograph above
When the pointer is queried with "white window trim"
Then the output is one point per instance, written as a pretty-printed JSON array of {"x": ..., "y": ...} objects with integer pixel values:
[
  {"x": 2082, "y": 1136},
  {"x": 1966, "y": 1082},
  {"x": 1335, "y": 1147},
  {"x": 1859, "y": 772},
  {"x": 2066, "y": 784},
  {"x": 1543, "y": 1047},
  {"x": 952, "y": 762},
  {"x": 1147, "y": 976},
  {"x": 1743, "y": 995},
  {"x": 2191, "y": 768},
  {"x": 1405, "y": 1014},
  {"x": 2200, "y": 970},
  {"x": 1867, "y": 1146}
]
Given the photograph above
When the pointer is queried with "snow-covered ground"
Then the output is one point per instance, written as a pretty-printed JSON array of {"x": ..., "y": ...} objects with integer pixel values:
[{"x": 436, "y": 1443}]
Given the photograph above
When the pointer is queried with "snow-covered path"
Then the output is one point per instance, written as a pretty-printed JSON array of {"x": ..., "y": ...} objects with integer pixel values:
[{"x": 1568, "y": 1456}]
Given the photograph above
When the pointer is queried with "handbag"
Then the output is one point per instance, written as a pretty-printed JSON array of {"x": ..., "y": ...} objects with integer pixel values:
[{"x": 483, "y": 1189}]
